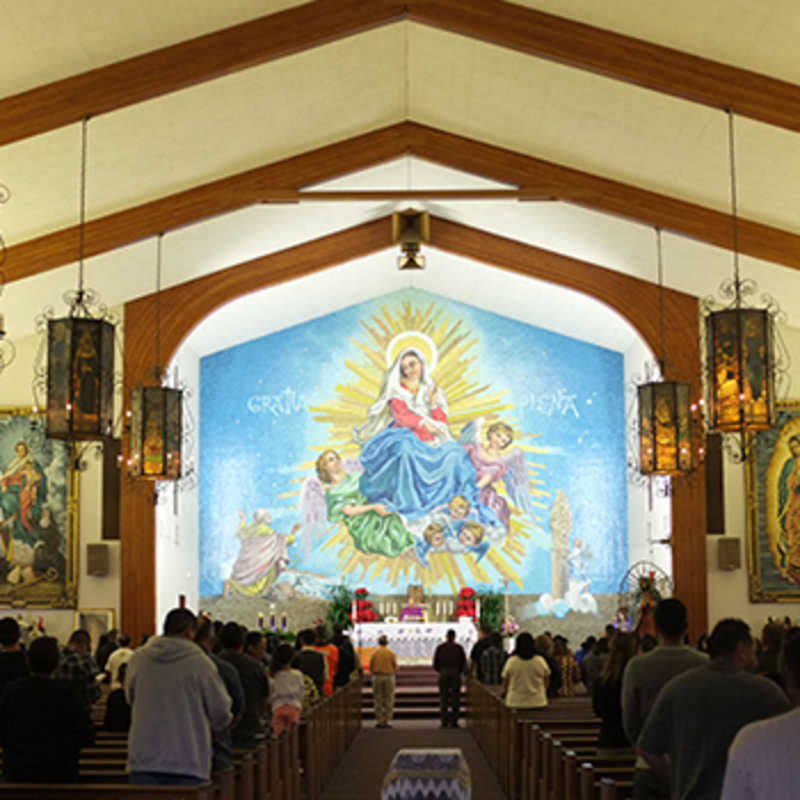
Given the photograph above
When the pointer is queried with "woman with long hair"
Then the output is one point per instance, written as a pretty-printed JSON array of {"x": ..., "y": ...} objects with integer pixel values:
[
  {"x": 567, "y": 666},
  {"x": 607, "y": 692},
  {"x": 286, "y": 690},
  {"x": 525, "y": 676}
]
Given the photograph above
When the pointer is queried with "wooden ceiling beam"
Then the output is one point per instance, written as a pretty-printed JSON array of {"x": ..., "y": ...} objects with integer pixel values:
[
  {"x": 614, "y": 55},
  {"x": 188, "y": 63},
  {"x": 534, "y": 177},
  {"x": 526, "y": 30}
]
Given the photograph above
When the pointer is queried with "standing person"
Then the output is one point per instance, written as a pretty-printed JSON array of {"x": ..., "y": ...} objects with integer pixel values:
[
  {"x": 347, "y": 657},
  {"x": 254, "y": 682},
  {"x": 43, "y": 724},
  {"x": 286, "y": 697},
  {"x": 450, "y": 662},
  {"x": 309, "y": 661},
  {"x": 525, "y": 676},
  {"x": 475, "y": 668},
  {"x": 771, "y": 641},
  {"x": 177, "y": 699},
  {"x": 118, "y": 713},
  {"x": 593, "y": 664},
  {"x": 78, "y": 669},
  {"x": 606, "y": 701},
  {"x": 105, "y": 647},
  {"x": 643, "y": 679},
  {"x": 567, "y": 666},
  {"x": 493, "y": 659},
  {"x": 331, "y": 654},
  {"x": 122, "y": 655},
  {"x": 383, "y": 668},
  {"x": 677, "y": 739},
  {"x": 762, "y": 761},
  {"x": 12, "y": 659},
  {"x": 222, "y": 745}
]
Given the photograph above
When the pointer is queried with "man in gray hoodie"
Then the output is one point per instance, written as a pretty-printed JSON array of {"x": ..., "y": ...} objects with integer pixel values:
[{"x": 177, "y": 699}]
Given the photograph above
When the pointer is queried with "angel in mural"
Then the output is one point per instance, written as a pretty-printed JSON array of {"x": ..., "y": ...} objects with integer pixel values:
[
  {"x": 335, "y": 494},
  {"x": 411, "y": 462},
  {"x": 493, "y": 464},
  {"x": 263, "y": 555}
]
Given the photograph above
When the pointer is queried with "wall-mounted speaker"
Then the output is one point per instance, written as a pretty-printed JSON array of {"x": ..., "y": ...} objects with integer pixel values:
[
  {"x": 97, "y": 559},
  {"x": 729, "y": 553}
]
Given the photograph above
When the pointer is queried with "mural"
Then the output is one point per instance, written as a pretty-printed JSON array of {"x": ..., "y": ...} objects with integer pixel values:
[
  {"x": 412, "y": 439},
  {"x": 38, "y": 498}
]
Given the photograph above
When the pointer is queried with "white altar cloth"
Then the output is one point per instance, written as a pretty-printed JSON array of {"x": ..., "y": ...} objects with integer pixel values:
[{"x": 414, "y": 642}]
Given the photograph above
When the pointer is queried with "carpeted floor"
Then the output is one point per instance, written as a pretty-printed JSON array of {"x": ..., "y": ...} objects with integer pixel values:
[{"x": 361, "y": 772}]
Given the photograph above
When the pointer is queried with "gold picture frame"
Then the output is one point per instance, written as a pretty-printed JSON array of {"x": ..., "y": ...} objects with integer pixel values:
[
  {"x": 38, "y": 514},
  {"x": 773, "y": 509}
]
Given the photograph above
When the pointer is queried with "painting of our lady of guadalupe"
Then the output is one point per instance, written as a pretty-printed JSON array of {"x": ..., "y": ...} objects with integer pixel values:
[
  {"x": 37, "y": 564},
  {"x": 773, "y": 499}
]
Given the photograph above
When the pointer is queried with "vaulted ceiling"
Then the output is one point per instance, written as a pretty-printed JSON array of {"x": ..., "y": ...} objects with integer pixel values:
[{"x": 207, "y": 119}]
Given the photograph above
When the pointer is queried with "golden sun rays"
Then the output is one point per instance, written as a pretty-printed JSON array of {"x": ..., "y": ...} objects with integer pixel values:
[{"x": 457, "y": 372}]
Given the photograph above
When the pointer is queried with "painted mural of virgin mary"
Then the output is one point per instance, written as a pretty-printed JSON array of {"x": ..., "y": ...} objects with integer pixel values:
[{"x": 411, "y": 462}]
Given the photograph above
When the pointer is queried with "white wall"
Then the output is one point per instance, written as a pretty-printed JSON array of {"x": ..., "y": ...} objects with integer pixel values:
[{"x": 177, "y": 539}]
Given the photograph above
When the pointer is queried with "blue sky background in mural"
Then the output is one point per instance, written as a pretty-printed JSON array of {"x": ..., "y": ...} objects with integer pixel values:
[{"x": 256, "y": 429}]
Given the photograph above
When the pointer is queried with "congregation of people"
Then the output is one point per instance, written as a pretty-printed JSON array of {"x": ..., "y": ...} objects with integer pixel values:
[{"x": 186, "y": 698}]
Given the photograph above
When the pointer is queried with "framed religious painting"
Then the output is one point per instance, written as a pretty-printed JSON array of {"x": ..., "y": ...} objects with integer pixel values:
[
  {"x": 773, "y": 509},
  {"x": 38, "y": 514}
]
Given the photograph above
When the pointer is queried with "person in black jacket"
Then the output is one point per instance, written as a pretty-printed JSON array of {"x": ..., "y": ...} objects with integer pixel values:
[
  {"x": 43, "y": 724},
  {"x": 12, "y": 658},
  {"x": 607, "y": 694},
  {"x": 118, "y": 712}
]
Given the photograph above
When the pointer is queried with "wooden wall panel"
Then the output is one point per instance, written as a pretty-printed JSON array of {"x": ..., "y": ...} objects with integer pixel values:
[{"x": 187, "y": 304}]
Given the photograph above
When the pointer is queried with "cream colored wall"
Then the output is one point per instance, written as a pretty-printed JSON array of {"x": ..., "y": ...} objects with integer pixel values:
[{"x": 16, "y": 391}]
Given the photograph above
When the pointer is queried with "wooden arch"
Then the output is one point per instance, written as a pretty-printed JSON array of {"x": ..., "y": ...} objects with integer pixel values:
[{"x": 184, "y": 306}]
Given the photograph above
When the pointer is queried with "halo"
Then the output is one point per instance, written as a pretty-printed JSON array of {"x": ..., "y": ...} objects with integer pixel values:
[{"x": 416, "y": 340}]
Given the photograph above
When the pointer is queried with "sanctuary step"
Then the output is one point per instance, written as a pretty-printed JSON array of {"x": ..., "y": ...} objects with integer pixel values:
[{"x": 416, "y": 695}]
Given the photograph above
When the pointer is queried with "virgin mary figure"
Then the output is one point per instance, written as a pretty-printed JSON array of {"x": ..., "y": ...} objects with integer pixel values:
[{"x": 411, "y": 462}]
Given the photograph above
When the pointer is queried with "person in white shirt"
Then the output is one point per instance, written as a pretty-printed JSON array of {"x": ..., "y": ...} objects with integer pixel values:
[
  {"x": 762, "y": 760},
  {"x": 286, "y": 690},
  {"x": 525, "y": 676},
  {"x": 122, "y": 655}
]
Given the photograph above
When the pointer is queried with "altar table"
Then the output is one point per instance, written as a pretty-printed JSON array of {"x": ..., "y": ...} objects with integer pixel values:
[
  {"x": 412, "y": 642},
  {"x": 427, "y": 774}
]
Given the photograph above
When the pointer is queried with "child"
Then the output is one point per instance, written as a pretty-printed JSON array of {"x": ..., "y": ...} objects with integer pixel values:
[{"x": 286, "y": 690}]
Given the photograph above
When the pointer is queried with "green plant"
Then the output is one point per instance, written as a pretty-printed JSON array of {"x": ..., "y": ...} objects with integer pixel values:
[
  {"x": 340, "y": 606},
  {"x": 492, "y": 605}
]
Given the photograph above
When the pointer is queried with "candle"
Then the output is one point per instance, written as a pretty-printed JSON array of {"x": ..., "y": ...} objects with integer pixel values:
[
  {"x": 272, "y": 622},
  {"x": 283, "y": 623},
  {"x": 260, "y": 621}
]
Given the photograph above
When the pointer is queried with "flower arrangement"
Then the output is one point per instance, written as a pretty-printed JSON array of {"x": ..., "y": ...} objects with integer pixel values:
[
  {"x": 365, "y": 612},
  {"x": 509, "y": 626},
  {"x": 465, "y": 606}
]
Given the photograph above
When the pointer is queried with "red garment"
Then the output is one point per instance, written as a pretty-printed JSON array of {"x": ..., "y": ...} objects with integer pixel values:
[
  {"x": 331, "y": 653},
  {"x": 408, "y": 419}
]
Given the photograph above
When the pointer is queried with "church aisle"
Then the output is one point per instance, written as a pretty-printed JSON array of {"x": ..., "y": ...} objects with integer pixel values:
[{"x": 361, "y": 773}]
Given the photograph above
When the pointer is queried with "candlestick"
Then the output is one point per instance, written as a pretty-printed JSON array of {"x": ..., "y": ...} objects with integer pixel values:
[
  {"x": 283, "y": 623},
  {"x": 272, "y": 622},
  {"x": 260, "y": 621}
]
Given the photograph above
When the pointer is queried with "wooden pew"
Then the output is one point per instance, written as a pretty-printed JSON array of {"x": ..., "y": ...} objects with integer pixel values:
[{"x": 100, "y": 791}]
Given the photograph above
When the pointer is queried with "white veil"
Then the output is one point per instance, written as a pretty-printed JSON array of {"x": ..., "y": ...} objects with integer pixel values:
[{"x": 379, "y": 415}]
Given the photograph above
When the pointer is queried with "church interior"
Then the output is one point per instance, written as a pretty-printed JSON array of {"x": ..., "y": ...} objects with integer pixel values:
[{"x": 576, "y": 160}]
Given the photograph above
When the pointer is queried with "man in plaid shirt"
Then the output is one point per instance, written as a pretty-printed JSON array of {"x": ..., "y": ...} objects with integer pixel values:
[
  {"x": 492, "y": 660},
  {"x": 78, "y": 669}
]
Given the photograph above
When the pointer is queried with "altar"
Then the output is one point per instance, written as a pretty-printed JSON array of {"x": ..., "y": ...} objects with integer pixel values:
[{"x": 412, "y": 642}]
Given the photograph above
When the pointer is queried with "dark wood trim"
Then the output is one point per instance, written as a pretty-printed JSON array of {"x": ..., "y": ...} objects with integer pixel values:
[
  {"x": 184, "y": 306},
  {"x": 188, "y": 63},
  {"x": 526, "y": 30},
  {"x": 614, "y": 55},
  {"x": 535, "y": 178}
]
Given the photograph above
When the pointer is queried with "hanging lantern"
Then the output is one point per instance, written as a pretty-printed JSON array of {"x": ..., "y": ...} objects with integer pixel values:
[
  {"x": 156, "y": 416},
  {"x": 741, "y": 379},
  {"x": 80, "y": 356},
  {"x": 155, "y": 433},
  {"x": 665, "y": 428},
  {"x": 80, "y": 378}
]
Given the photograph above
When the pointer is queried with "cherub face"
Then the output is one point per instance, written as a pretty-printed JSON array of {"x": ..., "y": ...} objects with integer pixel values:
[
  {"x": 468, "y": 536},
  {"x": 411, "y": 367},
  {"x": 458, "y": 507},
  {"x": 437, "y": 539},
  {"x": 499, "y": 438}
]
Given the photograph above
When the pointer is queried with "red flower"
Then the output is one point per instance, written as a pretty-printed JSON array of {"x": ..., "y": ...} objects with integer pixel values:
[{"x": 361, "y": 592}]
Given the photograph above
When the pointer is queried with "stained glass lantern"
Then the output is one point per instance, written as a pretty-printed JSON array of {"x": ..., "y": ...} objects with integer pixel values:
[
  {"x": 155, "y": 433},
  {"x": 741, "y": 378},
  {"x": 80, "y": 378},
  {"x": 665, "y": 432}
]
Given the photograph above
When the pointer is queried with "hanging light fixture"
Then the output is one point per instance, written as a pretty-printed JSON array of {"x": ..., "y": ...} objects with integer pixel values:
[
  {"x": 80, "y": 355},
  {"x": 156, "y": 416},
  {"x": 740, "y": 357},
  {"x": 410, "y": 229},
  {"x": 665, "y": 433}
]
